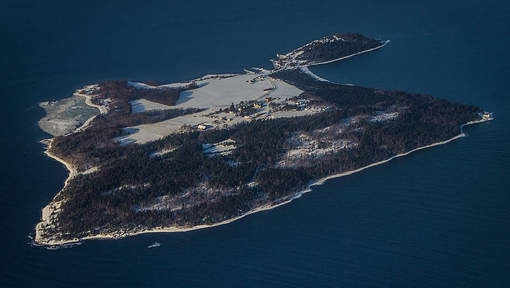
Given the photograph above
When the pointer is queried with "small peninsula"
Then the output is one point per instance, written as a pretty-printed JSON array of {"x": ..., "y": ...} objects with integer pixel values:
[{"x": 151, "y": 157}]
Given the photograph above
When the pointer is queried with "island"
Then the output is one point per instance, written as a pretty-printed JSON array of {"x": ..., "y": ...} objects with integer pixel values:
[{"x": 149, "y": 157}]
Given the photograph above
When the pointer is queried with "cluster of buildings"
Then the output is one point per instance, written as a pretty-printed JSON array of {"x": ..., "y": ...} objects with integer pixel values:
[
  {"x": 300, "y": 103},
  {"x": 247, "y": 110}
]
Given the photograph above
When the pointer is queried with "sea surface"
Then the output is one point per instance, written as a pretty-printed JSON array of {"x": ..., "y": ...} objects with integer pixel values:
[{"x": 436, "y": 218}]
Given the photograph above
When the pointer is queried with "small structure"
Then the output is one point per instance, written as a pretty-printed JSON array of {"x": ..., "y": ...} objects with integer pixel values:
[
  {"x": 487, "y": 116},
  {"x": 202, "y": 126}
]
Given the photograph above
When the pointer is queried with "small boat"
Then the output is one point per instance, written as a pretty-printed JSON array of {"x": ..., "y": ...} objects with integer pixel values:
[{"x": 154, "y": 245}]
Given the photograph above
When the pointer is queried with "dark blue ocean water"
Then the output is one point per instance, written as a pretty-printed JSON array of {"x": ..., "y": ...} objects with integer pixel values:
[{"x": 436, "y": 218}]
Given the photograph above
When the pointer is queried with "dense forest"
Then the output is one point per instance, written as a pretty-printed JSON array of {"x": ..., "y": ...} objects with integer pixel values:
[
  {"x": 204, "y": 189},
  {"x": 96, "y": 144},
  {"x": 120, "y": 90},
  {"x": 327, "y": 49}
]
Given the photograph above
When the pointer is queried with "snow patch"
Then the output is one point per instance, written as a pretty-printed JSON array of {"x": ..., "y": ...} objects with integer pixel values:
[
  {"x": 221, "y": 148},
  {"x": 382, "y": 116},
  {"x": 143, "y": 105}
]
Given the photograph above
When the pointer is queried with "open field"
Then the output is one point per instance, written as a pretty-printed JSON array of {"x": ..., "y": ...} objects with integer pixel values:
[{"x": 213, "y": 94}]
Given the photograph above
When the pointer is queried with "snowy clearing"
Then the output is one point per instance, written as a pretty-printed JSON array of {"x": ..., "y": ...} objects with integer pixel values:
[
  {"x": 222, "y": 92},
  {"x": 214, "y": 92},
  {"x": 221, "y": 148},
  {"x": 143, "y": 105}
]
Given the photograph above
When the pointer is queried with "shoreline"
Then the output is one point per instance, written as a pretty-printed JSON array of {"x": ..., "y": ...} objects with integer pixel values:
[
  {"x": 173, "y": 229},
  {"x": 276, "y": 69},
  {"x": 52, "y": 207},
  {"x": 305, "y": 68},
  {"x": 72, "y": 170},
  {"x": 349, "y": 56}
]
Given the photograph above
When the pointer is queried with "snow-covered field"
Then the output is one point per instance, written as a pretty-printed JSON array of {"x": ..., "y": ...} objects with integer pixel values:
[{"x": 215, "y": 92}]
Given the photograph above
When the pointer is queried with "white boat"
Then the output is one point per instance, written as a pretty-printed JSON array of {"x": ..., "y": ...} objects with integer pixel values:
[{"x": 154, "y": 245}]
